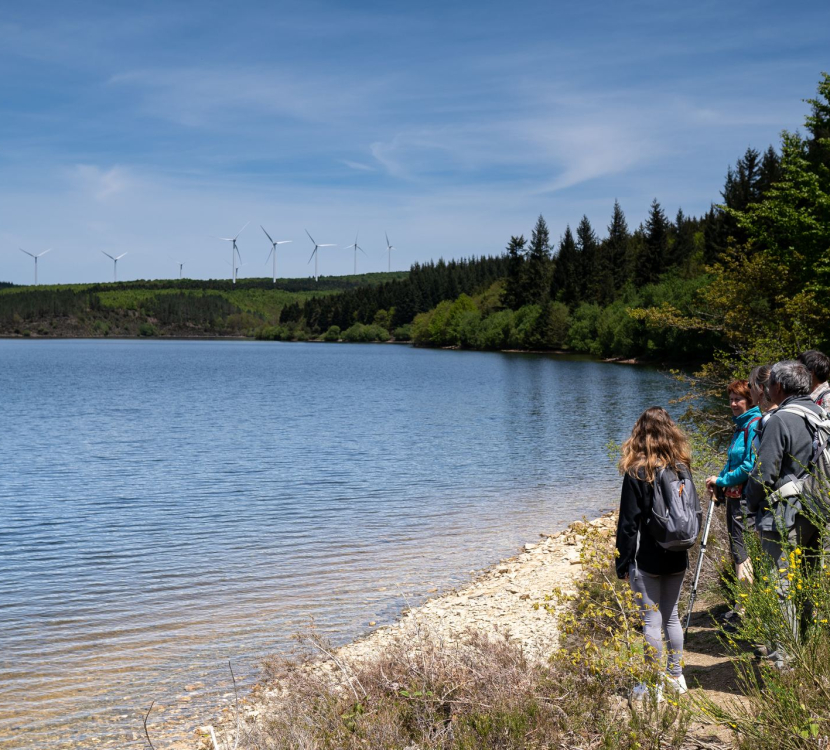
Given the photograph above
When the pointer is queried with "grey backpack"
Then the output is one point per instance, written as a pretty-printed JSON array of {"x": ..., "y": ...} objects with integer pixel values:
[
  {"x": 675, "y": 515},
  {"x": 812, "y": 484}
]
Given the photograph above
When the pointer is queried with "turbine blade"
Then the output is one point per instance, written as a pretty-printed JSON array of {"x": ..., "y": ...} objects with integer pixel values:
[
  {"x": 312, "y": 254},
  {"x": 227, "y": 239},
  {"x": 45, "y": 251},
  {"x": 269, "y": 255},
  {"x": 387, "y": 238},
  {"x": 362, "y": 251},
  {"x": 266, "y": 233},
  {"x": 284, "y": 242},
  {"x": 27, "y": 252},
  {"x": 241, "y": 230},
  {"x": 120, "y": 256},
  {"x": 330, "y": 244},
  {"x": 310, "y": 237},
  {"x": 108, "y": 255}
]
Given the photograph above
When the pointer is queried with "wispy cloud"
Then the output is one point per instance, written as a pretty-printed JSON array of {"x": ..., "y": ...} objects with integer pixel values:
[
  {"x": 101, "y": 183},
  {"x": 359, "y": 166}
]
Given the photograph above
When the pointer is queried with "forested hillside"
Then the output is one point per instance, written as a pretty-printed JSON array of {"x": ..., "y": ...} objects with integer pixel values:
[{"x": 163, "y": 307}]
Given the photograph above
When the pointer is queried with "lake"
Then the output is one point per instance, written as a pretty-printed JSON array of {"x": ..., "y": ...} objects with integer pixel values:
[{"x": 167, "y": 506}]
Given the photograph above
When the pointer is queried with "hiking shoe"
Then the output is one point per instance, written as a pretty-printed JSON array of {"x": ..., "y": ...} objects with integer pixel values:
[
  {"x": 677, "y": 684},
  {"x": 641, "y": 691}
]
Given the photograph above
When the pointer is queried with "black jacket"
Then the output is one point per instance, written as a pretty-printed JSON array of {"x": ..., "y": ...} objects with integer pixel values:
[{"x": 635, "y": 505}]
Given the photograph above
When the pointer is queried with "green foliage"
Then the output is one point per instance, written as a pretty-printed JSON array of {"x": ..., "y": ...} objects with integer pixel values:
[
  {"x": 403, "y": 333},
  {"x": 363, "y": 333},
  {"x": 782, "y": 709},
  {"x": 333, "y": 334},
  {"x": 582, "y": 335},
  {"x": 147, "y": 329}
]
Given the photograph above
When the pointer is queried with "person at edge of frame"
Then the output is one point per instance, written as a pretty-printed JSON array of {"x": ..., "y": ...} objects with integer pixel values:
[{"x": 784, "y": 448}]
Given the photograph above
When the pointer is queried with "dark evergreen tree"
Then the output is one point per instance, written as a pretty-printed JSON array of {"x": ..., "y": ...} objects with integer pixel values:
[
  {"x": 683, "y": 240},
  {"x": 770, "y": 171},
  {"x": 616, "y": 245},
  {"x": 588, "y": 273},
  {"x": 565, "y": 285},
  {"x": 651, "y": 261},
  {"x": 513, "y": 284},
  {"x": 537, "y": 266}
]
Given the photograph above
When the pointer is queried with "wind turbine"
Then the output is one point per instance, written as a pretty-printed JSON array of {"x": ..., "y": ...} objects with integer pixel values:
[
  {"x": 31, "y": 255},
  {"x": 273, "y": 250},
  {"x": 389, "y": 249},
  {"x": 114, "y": 264},
  {"x": 234, "y": 250},
  {"x": 356, "y": 248},
  {"x": 314, "y": 252},
  {"x": 179, "y": 263}
]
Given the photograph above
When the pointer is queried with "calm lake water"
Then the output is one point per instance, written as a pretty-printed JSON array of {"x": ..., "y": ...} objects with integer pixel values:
[{"x": 167, "y": 506}]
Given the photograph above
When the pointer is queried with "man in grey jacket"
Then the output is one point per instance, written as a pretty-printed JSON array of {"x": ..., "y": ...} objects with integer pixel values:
[{"x": 784, "y": 451}]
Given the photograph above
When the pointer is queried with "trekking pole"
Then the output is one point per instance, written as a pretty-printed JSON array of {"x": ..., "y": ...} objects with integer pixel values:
[{"x": 703, "y": 541}]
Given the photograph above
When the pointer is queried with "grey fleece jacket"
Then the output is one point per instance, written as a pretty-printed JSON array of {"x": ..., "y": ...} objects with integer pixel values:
[{"x": 785, "y": 447}]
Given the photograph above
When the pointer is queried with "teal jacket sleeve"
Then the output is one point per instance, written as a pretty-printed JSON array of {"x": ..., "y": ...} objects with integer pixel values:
[{"x": 741, "y": 458}]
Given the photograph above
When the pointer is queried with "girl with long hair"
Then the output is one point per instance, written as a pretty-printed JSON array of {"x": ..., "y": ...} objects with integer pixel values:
[{"x": 655, "y": 574}]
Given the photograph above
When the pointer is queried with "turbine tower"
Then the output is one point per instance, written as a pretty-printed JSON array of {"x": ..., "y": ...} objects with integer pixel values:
[
  {"x": 31, "y": 255},
  {"x": 389, "y": 249},
  {"x": 114, "y": 264},
  {"x": 234, "y": 251},
  {"x": 314, "y": 252},
  {"x": 356, "y": 248},
  {"x": 273, "y": 250}
]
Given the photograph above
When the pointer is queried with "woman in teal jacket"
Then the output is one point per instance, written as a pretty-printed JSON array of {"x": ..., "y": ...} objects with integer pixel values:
[{"x": 740, "y": 461}]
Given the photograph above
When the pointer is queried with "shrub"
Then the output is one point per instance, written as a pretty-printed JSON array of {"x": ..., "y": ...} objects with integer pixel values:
[
  {"x": 363, "y": 333},
  {"x": 147, "y": 329},
  {"x": 403, "y": 333},
  {"x": 582, "y": 335},
  {"x": 333, "y": 334},
  {"x": 525, "y": 324},
  {"x": 494, "y": 331}
]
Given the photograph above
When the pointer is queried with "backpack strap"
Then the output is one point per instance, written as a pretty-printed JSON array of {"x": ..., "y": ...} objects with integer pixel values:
[{"x": 813, "y": 419}]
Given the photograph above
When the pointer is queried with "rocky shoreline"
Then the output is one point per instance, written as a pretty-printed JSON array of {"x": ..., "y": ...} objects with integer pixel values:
[{"x": 506, "y": 599}]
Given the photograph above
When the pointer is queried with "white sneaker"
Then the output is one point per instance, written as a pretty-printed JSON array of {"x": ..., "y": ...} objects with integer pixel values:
[
  {"x": 641, "y": 691},
  {"x": 677, "y": 684}
]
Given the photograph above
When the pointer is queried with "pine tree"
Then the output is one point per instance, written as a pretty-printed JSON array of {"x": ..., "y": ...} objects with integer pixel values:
[
  {"x": 651, "y": 261},
  {"x": 617, "y": 248},
  {"x": 770, "y": 171},
  {"x": 513, "y": 293},
  {"x": 683, "y": 246},
  {"x": 565, "y": 286},
  {"x": 586, "y": 245},
  {"x": 537, "y": 267}
]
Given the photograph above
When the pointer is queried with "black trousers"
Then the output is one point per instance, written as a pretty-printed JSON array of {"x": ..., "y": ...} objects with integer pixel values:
[{"x": 737, "y": 523}]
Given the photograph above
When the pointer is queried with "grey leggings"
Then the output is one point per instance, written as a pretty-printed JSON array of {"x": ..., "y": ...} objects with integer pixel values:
[{"x": 660, "y": 595}]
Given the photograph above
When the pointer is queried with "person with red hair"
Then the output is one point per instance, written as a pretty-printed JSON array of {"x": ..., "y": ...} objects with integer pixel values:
[{"x": 730, "y": 483}]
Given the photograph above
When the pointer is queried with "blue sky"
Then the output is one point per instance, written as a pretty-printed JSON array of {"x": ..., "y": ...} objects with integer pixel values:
[{"x": 153, "y": 128}]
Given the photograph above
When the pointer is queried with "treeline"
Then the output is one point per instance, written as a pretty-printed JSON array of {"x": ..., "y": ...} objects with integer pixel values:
[
  {"x": 322, "y": 284},
  {"x": 163, "y": 307},
  {"x": 581, "y": 294},
  {"x": 768, "y": 296},
  {"x": 394, "y": 304}
]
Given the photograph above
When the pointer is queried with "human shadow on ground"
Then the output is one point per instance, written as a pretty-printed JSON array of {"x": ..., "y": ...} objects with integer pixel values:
[{"x": 709, "y": 658}]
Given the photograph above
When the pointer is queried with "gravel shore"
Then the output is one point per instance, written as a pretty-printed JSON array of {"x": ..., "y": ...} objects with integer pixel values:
[{"x": 503, "y": 599}]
